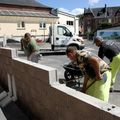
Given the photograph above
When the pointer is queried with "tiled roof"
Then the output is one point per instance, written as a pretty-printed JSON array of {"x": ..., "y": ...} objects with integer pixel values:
[
  {"x": 100, "y": 12},
  {"x": 25, "y": 13},
  {"x": 32, "y": 3}
]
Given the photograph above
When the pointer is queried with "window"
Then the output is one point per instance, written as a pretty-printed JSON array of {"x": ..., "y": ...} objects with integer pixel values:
[
  {"x": 42, "y": 25},
  {"x": 69, "y": 22},
  {"x": 104, "y": 20},
  {"x": 61, "y": 30},
  {"x": 109, "y": 20},
  {"x": 88, "y": 22},
  {"x": 21, "y": 25}
]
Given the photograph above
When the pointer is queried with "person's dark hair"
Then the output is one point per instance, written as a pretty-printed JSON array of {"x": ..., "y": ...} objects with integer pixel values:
[
  {"x": 70, "y": 49},
  {"x": 27, "y": 35},
  {"x": 98, "y": 38}
]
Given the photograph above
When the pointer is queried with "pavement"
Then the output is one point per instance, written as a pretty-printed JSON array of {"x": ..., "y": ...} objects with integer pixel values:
[
  {"x": 10, "y": 109},
  {"x": 13, "y": 112}
]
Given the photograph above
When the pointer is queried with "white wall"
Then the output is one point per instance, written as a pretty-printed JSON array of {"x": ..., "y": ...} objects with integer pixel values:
[
  {"x": 64, "y": 17},
  {"x": 9, "y": 28}
]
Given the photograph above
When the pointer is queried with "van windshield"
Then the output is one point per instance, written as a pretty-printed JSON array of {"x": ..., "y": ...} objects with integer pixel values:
[
  {"x": 62, "y": 30},
  {"x": 109, "y": 34}
]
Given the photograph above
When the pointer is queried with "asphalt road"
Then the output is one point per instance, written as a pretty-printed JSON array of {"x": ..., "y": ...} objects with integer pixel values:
[{"x": 57, "y": 61}]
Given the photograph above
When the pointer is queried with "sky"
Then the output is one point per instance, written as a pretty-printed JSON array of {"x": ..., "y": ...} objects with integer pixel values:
[{"x": 76, "y": 7}]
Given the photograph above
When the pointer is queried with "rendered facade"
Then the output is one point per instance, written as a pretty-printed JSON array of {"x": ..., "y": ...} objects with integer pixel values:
[{"x": 18, "y": 17}]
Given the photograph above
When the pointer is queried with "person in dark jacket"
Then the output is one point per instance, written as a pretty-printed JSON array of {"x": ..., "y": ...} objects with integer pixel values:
[{"x": 111, "y": 50}]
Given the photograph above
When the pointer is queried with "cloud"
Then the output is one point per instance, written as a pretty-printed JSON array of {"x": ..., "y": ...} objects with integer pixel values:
[
  {"x": 78, "y": 11},
  {"x": 92, "y": 2},
  {"x": 64, "y": 10},
  {"x": 75, "y": 11}
]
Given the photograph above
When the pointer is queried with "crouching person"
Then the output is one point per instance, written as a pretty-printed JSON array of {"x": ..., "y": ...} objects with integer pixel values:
[
  {"x": 97, "y": 75},
  {"x": 31, "y": 48}
]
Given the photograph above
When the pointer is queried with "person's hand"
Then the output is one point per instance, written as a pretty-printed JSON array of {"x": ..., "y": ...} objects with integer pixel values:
[
  {"x": 98, "y": 77},
  {"x": 83, "y": 90}
]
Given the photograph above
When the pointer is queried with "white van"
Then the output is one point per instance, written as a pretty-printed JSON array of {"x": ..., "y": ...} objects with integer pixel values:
[{"x": 60, "y": 35}]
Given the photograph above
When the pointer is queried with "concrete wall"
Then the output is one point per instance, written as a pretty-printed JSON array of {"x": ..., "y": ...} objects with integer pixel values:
[{"x": 38, "y": 89}]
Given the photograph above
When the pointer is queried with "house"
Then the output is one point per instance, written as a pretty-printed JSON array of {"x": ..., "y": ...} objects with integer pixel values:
[
  {"x": 99, "y": 18},
  {"x": 70, "y": 20},
  {"x": 20, "y": 16}
]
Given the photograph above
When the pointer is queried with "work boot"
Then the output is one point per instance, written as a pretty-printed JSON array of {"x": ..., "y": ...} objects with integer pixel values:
[{"x": 111, "y": 89}]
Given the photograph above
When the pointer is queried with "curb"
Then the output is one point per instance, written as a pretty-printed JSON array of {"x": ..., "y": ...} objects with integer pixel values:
[{"x": 45, "y": 53}]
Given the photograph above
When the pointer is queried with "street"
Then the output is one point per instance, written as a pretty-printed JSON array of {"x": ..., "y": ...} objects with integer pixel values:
[{"x": 57, "y": 61}]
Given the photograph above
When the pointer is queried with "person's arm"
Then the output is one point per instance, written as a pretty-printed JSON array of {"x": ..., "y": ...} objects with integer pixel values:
[
  {"x": 101, "y": 53},
  {"x": 85, "y": 83},
  {"x": 33, "y": 47},
  {"x": 32, "y": 54},
  {"x": 31, "y": 50},
  {"x": 95, "y": 64}
]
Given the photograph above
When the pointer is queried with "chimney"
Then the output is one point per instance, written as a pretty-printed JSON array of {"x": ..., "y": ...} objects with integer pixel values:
[{"x": 105, "y": 10}]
